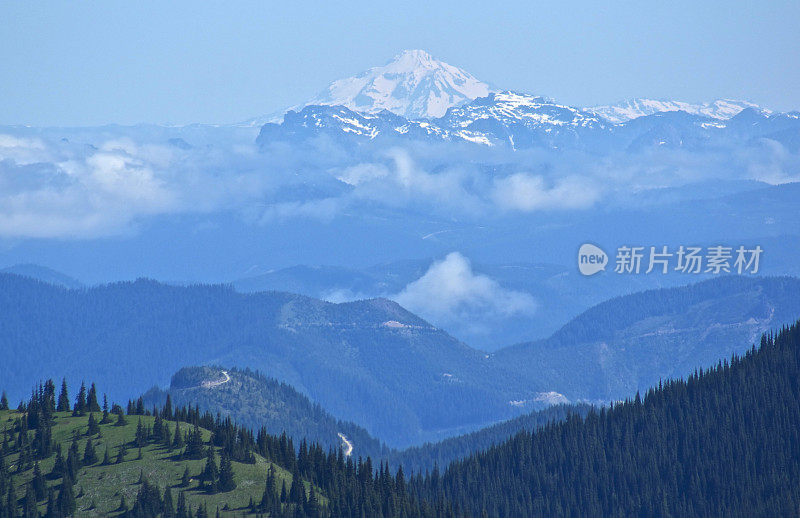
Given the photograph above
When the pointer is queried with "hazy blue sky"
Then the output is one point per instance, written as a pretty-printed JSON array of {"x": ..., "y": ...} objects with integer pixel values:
[{"x": 81, "y": 63}]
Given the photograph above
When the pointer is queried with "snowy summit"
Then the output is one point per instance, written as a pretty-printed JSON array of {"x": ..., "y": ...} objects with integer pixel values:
[{"x": 413, "y": 84}]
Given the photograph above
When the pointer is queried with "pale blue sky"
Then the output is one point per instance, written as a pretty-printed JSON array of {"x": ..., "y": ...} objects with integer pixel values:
[{"x": 86, "y": 63}]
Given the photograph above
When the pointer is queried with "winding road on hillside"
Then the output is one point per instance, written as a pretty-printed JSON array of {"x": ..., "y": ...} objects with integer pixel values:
[
  {"x": 217, "y": 383},
  {"x": 347, "y": 445}
]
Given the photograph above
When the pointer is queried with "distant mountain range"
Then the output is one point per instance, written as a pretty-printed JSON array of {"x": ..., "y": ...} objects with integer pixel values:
[
  {"x": 418, "y": 97},
  {"x": 521, "y": 121},
  {"x": 372, "y": 362},
  {"x": 721, "y": 109}
]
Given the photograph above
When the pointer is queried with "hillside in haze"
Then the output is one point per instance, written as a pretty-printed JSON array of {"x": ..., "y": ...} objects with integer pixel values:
[
  {"x": 372, "y": 362},
  {"x": 630, "y": 343},
  {"x": 255, "y": 401},
  {"x": 352, "y": 358},
  {"x": 723, "y": 441}
]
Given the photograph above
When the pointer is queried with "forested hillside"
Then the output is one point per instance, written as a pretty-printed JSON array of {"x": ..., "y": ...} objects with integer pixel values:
[
  {"x": 372, "y": 362},
  {"x": 86, "y": 459},
  {"x": 724, "y": 442},
  {"x": 255, "y": 401},
  {"x": 352, "y": 358},
  {"x": 430, "y": 456},
  {"x": 632, "y": 342}
]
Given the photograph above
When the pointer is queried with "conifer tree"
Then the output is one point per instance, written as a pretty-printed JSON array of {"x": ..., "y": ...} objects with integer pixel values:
[
  {"x": 181, "y": 511},
  {"x": 121, "y": 454},
  {"x": 312, "y": 506},
  {"x": 177, "y": 441},
  {"x": 194, "y": 446},
  {"x": 226, "y": 481},
  {"x": 80, "y": 402},
  {"x": 106, "y": 457},
  {"x": 186, "y": 478},
  {"x": 120, "y": 420},
  {"x": 73, "y": 463},
  {"x": 166, "y": 436},
  {"x": 11, "y": 502},
  {"x": 29, "y": 509},
  {"x": 106, "y": 418},
  {"x": 268, "y": 498},
  {"x": 93, "y": 427},
  {"x": 4, "y": 401},
  {"x": 51, "y": 509},
  {"x": 89, "y": 454},
  {"x": 38, "y": 483},
  {"x": 66, "y": 497},
  {"x": 211, "y": 472},
  {"x": 63, "y": 398},
  {"x": 168, "y": 505},
  {"x": 141, "y": 435},
  {"x": 91, "y": 400},
  {"x": 167, "y": 411},
  {"x": 59, "y": 466}
]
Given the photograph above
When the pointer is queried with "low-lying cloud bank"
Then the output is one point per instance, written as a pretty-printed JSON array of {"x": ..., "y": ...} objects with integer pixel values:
[{"x": 54, "y": 188}]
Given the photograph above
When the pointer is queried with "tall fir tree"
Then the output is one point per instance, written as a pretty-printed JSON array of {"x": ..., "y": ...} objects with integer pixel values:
[
  {"x": 38, "y": 483},
  {"x": 168, "y": 505},
  {"x": 211, "y": 472},
  {"x": 177, "y": 441},
  {"x": 66, "y": 503},
  {"x": 91, "y": 400},
  {"x": 63, "y": 398},
  {"x": 226, "y": 480},
  {"x": 92, "y": 427},
  {"x": 89, "y": 453},
  {"x": 181, "y": 510},
  {"x": 80, "y": 402}
]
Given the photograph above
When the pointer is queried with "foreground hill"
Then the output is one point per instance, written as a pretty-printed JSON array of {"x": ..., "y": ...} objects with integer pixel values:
[
  {"x": 178, "y": 463},
  {"x": 101, "y": 486},
  {"x": 255, "y": 401},
  {"x": 725, "y": 442}
]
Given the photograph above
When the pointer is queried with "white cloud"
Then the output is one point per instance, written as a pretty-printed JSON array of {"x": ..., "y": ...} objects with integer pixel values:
[
  {"x": 402, "y": 182},
  {"x": 525, "y": 192},
  {"x": 773, "y": 164},
  {"x": 22, "y": 150},
  {"x": 450, "y": 292},
  {"x": 65, "y": 190}
]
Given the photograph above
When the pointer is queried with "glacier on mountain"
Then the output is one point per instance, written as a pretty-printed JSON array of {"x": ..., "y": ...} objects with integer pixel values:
[{"x": 721, "y": 109}]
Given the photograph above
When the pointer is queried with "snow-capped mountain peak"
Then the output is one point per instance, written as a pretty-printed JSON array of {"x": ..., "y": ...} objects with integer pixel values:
[
  {"x": 414, "y": 84},
  {"x": 721, "y": 109}
]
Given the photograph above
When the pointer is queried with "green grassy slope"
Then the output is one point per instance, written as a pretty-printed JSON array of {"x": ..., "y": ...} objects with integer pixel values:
[{"x": 99, "y": 488}]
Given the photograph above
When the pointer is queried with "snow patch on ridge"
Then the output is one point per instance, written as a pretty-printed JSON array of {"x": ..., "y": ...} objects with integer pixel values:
[{"x": 721, "y": 109}]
